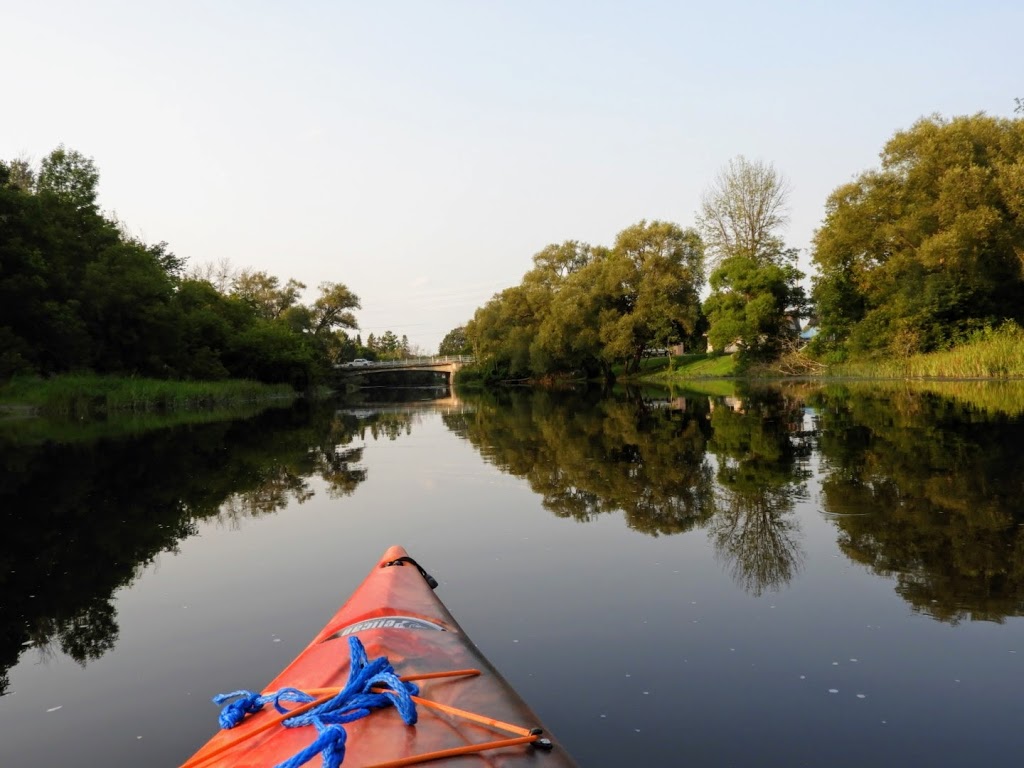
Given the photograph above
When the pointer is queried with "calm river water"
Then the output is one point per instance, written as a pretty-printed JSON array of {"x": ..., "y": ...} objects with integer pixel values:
[{"x": 776, "y": 577}]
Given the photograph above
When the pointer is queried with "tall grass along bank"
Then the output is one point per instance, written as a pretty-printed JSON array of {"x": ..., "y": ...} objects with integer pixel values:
[{"x": 989, "y": 354}]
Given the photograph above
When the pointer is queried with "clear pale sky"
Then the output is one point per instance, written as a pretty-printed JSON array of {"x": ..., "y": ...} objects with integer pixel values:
[{"x": 422, "y": 152}]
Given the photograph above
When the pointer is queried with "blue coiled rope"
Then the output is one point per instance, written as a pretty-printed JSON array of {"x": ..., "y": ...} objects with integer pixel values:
[{"x": 356, "y": 700}]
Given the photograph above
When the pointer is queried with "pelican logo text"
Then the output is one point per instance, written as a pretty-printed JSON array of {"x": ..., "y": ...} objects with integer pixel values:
[{"x": 387, "y": 622}]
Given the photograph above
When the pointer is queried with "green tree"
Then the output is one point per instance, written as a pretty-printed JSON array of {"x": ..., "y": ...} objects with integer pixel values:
[
  {"x": 582, "y": 308},
  {"x": 502, "y": 331},
  {"x": 79, "y": 292},
  {"x": 755, "y": 292},
  {"x": 22, "y": 280},
  {"x": 569, "y": 336},
  {"x": 76, "y": 290},
  {"x": 333, "y": 308},
  {"x": 208, "y": 322},
  {"x": 169, "y": 262},
  {"x": 325, "y": 321},
  {"x": 49, "y": 236},
  {"x": 125, "y": 303},
  {"x": 553, "y": 264},
  {"x": 651, "y": 281},
  {"x": 273, "y": 352},
  {"x": 753, "y": 302},
  {"x": 514, "y": 333},
  {"x": 21, "y": 175},
  {"x": 929, "y": 247},
  {"x": 70, "y": 176},
  {"x": 389, "y": 345},
  {"x": 264, "y": 292}
]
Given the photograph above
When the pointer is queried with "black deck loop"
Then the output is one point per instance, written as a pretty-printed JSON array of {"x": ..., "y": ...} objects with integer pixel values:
[{"x": 431, "y": 581}]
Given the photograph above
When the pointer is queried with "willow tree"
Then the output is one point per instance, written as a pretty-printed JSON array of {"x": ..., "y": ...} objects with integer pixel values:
[
  {"x": 506, "y": 332},
  {"x": 642, "y": 292},
  {"x": 653, "y": 276},
  {"x": 584, "y": 308}
]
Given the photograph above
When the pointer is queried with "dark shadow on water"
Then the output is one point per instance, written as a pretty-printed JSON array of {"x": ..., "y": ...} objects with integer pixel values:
[{"x": 81, "y": 518}]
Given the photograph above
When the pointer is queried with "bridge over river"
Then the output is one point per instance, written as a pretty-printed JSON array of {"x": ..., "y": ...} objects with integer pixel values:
[{"x": 447, "y": 364}]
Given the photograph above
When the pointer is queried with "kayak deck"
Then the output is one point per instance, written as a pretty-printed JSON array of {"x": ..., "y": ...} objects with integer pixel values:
[{"x": 395, "y": 614}]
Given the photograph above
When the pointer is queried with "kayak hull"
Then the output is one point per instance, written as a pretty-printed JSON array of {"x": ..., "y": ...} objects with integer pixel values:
[{"x": 396, "y": 614}]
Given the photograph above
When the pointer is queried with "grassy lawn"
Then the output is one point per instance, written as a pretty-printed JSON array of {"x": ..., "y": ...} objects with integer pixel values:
[{"x": 696, "y": 366}]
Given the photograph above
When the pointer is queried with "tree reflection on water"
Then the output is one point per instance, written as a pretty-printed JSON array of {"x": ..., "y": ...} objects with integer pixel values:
[
  {"x": 589, "y": 457},
  {"x": 928, "y": 489},
  {"x": 82, "y": 519},
  {"x": 761, "y": 450},
  {"x": 924, "y": 487},
  {"x": 649, "y": 459}
]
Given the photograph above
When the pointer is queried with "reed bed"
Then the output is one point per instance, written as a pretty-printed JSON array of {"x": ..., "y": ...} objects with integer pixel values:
[{"x": 989, "y": 354}]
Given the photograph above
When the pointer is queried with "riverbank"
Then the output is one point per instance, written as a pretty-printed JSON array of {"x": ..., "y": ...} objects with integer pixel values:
[
  {"x": 88, "y": 394},
  {"x": 655, "y": 370},
  {"x": 994, "y": 353},
  {"x": 990, "y": 354}
]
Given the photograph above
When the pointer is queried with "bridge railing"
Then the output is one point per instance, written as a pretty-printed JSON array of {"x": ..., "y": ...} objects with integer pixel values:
[{"x": 411, "y": 362}]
